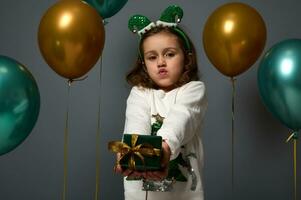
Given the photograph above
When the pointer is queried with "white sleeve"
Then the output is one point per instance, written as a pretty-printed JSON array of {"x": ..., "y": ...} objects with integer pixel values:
[
  {"x": 137, "y": 119},
  {"x": 184, "y": 117}
]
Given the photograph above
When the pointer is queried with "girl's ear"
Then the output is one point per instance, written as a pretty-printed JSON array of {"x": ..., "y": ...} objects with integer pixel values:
[
  {"x": 188, "y": 60},
  {"x": 143, "y": 66}
]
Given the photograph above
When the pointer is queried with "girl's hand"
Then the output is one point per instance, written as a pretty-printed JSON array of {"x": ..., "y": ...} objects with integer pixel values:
[
  {"x": 117, "y": 167},
  {"x": 130, "y": 173},
  {"x": 161, "y": 174}
]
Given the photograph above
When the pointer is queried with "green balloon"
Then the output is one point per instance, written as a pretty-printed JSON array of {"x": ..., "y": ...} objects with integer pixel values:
[
  {"x": 107, "y": 8},
  {"x": 279, "y": 82},
  {"x": 19, "y": 103}
]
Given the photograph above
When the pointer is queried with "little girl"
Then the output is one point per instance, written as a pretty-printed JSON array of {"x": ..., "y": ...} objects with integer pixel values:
[{"x": 167, "y": 100}]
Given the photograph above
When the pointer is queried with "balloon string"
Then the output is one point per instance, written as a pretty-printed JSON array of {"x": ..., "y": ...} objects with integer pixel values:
[
  {"x": 66, "y": 144},
  {"x": 97, "y": 172},
  {"x": 294, "y": 136},
  {"x": 233, "y": 109}
]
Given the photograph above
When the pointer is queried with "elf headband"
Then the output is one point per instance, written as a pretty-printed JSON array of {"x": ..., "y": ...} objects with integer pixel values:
[{"x": 170, "y": 17}]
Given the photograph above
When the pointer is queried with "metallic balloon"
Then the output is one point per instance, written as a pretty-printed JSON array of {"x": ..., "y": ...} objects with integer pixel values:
[
  {"x": 107, "y": 8},
  {"x": 279, "y": 82},
  {"x": 234, "y": 37},
  {"x": 71, "y": 38},
  {"x": 19, "y": 103}
]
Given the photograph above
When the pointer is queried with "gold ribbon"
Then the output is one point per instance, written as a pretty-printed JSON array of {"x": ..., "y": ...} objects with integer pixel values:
[
  {"x": 139, "y": 150},
  {"x": 294, "y": 136},
  {"x": 233, "y": 133},
  {"x": 66, "y": 142},
  {"x": 98, "y": 139}
]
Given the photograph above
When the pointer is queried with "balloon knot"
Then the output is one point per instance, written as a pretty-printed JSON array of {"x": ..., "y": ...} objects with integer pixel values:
[
  {"x": 296, "y": 135},
  {"x": 70, "y": 81},
  {"x": 293, "y": 135},
  {"x": 232, "y": 79}
]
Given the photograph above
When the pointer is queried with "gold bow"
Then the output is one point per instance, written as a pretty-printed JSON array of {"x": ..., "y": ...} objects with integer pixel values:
[{"x": 140, "y": 150}]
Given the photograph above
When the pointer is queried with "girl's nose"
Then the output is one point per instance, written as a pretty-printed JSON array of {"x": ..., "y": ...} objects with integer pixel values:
[{"x": 161, "y": 61}]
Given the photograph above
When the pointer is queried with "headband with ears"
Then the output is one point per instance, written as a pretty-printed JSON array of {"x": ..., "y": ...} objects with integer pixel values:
[{"x": 170, "y": 17}]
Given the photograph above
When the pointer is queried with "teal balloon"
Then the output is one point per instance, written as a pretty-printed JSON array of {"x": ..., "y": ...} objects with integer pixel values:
[
  {"x": 107, "y": 8},
  {"x": 279, "y": 82},
  {"x": 19, "y": 103}
]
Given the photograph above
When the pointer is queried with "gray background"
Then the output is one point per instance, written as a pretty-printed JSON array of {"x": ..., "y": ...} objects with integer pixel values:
[{"x": 34, "y": 170}]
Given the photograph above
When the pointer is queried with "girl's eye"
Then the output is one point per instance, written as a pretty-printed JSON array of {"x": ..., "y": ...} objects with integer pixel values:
[
  {"x": 151, "y": 57},
  {"x": 170, "y": 54}
]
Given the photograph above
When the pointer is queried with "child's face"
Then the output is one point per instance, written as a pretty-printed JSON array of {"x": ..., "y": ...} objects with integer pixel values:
[{"x": 164, "y": 59}]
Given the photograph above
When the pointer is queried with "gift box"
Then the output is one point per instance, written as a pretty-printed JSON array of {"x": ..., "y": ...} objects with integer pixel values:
[{"x": 139, "y": 152}]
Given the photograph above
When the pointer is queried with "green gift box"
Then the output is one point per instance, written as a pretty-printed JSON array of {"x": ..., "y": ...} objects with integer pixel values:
[{"x": 142, "y": 147}]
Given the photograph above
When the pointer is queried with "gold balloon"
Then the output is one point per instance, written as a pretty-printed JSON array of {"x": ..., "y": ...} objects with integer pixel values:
[
  {"x": 234, "y": 37},
  {"x": 71, "y": 38}
]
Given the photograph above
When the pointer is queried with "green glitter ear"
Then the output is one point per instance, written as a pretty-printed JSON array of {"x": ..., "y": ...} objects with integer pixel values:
[
  {"x": 172, "y": 15},
  {"x": 140, "y": 24}
]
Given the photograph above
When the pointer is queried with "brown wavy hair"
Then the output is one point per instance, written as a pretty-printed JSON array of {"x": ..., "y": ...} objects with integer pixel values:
[{"x": 138, "y": 76}]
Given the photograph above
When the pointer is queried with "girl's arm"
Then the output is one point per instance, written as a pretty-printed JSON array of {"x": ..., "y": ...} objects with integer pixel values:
[
  {"x": 137, "y": 119},
  {"x": 184, "y": 117}
]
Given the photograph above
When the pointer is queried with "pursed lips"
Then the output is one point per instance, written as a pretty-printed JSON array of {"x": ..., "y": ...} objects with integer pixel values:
[{"x": 162, "y": 71}]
